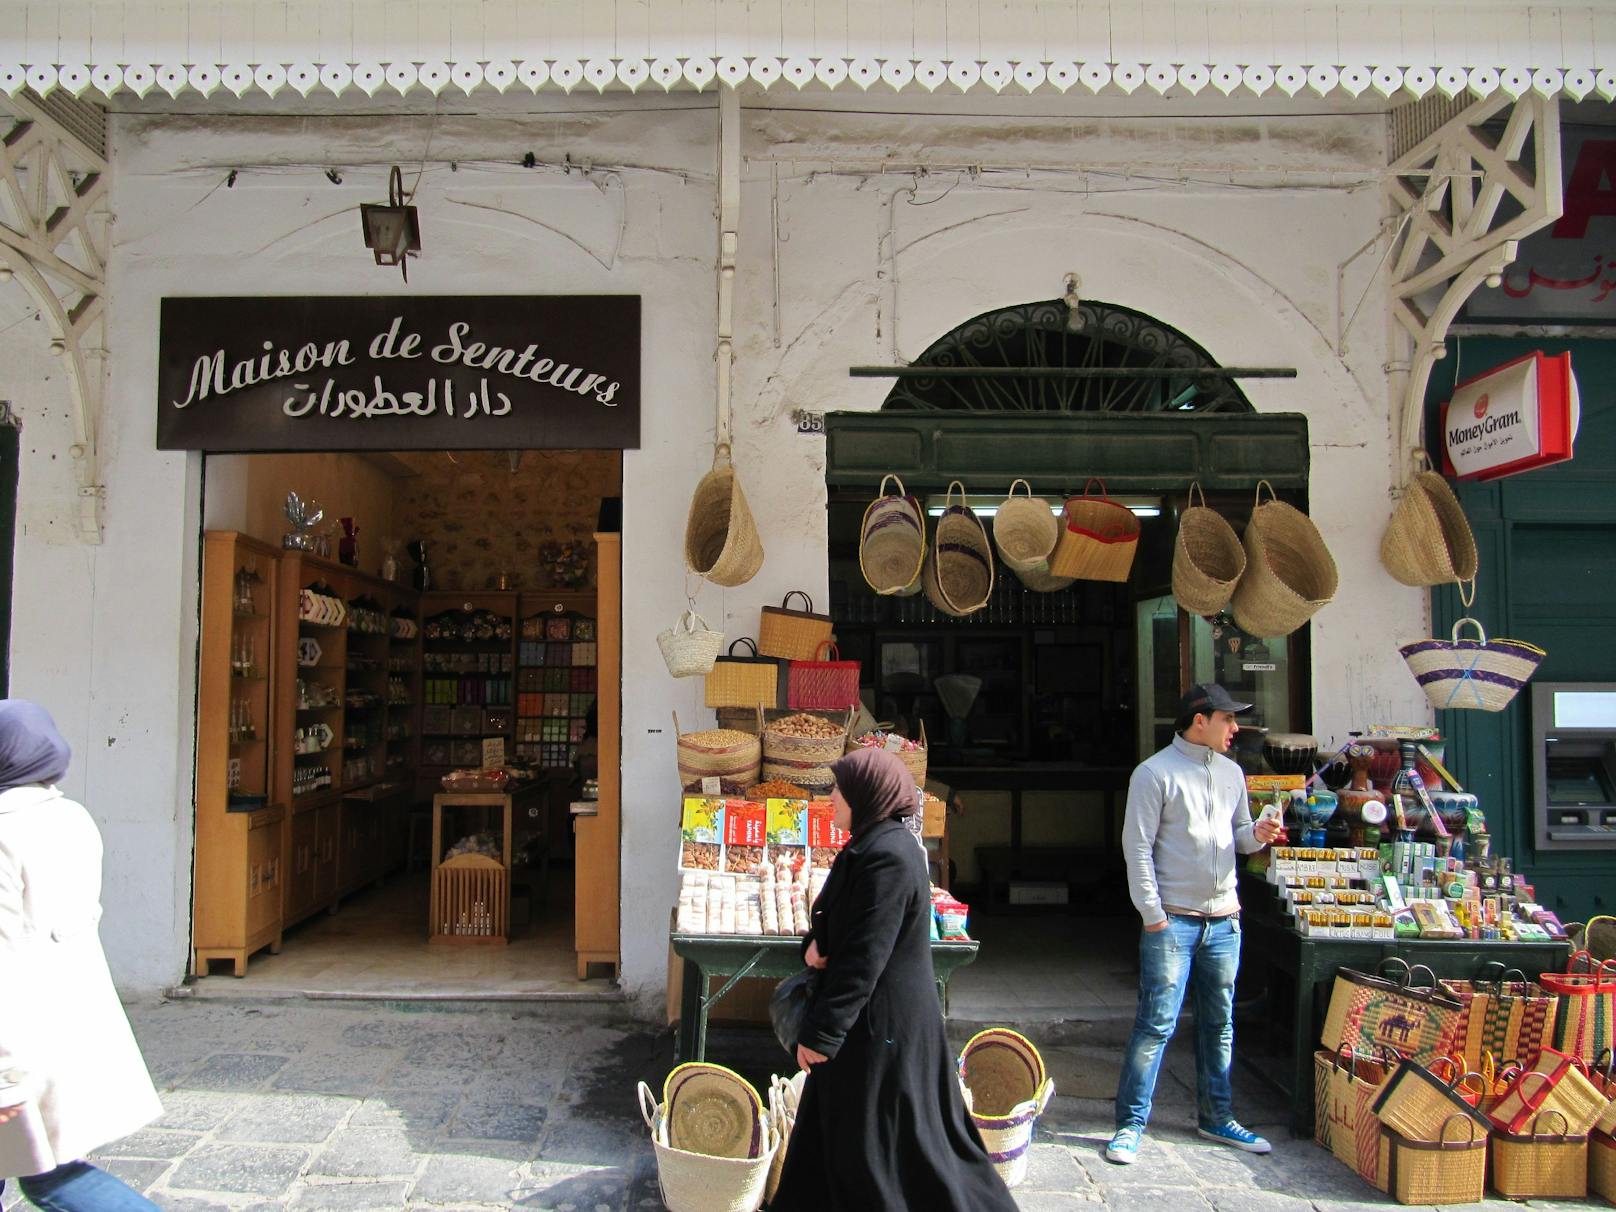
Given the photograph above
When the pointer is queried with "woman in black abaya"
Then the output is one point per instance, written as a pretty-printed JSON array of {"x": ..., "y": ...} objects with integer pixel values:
[{"x": 882, "y": 1126}]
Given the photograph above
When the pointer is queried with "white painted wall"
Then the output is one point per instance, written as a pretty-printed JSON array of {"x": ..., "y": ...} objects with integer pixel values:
[{"x": 869, "y": 272}]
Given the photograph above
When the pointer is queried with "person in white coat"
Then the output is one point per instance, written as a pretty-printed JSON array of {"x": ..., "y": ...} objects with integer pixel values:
[{"x": 71, "y": 1075}]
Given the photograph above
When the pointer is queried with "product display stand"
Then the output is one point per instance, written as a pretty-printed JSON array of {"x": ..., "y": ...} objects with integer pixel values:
[
  {"x": 737, "y": 956},
  {"x": 1305, "y": 969},
  {"x": 458, "y": 914}
]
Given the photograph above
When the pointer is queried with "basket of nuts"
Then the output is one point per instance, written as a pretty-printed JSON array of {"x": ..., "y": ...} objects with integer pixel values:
[
  {"x": 800, "y": 747},
  {"x": 717, "y": 752}
]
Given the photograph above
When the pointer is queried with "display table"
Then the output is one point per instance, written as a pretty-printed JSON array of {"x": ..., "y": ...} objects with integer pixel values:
[
  {"x": 1300, "y": 974},
  {"x": 736, "y": 956},
  {"x": 470, "y": 901}
]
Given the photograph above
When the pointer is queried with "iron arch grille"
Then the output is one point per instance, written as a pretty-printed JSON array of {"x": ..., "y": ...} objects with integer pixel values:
[{"x": 1049, "y": 334}]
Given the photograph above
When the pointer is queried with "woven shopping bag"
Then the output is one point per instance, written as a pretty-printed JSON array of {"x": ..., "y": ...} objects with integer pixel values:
[
  {"x": 1478, "y": 674},
  {"x": 1585, "y": 1020},
  {"x": 892, "y": 542},
  {"x": 1503, "y": 1017},
  {"x": 1603, "y": 1076},
  {"x": 1354, "y": 1130},
  {"x": 1208, "y": 558},
  {"x": 690, "y": 647},
  {"x": 1428, "y": 540},
  {"x": 1418, "y": 1104},
  {"x": 744, "y": 681},
  {"x": 827, "y": 685},
  {"x": 1098, "y": 540},
  {"x": 1290, "y": 574},
  {"x": 1371, "y": 1010},
  {"x": 1450, "y": 1169},
  {"x": 1540, "y": 1163},
  {"x": 792, "y": 635},
  {"x": 1556, "y": 1083}
]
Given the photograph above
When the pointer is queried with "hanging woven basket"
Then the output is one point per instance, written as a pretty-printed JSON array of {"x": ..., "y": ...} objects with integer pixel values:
[
  {"x": 1479, "y": 674},
  {"x": 690, "y": 647},
  {"x": 958, "y": 577},
  {"x": 1428, "y": 540},
  {"x": 721, "y": 539},
  {"x": 892, "y": 542},
  {"x": 1099, "y": 539},
  {"x": 1208, "y": 559},
  {"x": 1290, "y": 574}
]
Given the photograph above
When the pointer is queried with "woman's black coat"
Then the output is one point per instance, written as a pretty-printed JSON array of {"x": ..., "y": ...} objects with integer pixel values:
[{"x": 882, "y": 1126}]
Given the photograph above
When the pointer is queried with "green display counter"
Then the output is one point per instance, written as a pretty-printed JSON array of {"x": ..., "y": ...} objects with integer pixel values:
[{"x": 778, "y": 956}]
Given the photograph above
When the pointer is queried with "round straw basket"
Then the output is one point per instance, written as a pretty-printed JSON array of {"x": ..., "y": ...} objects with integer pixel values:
[
  {"x": 958, "y": 577},
  {"x": 892, "y": 542},
  {"x": 1428, "y": 541},
  {"x": 1290, "y": 573},
  {"x": 721, "y": 540},
  {"x": 690, "y": 647},
  {"x": 695, "y": 1182},
  {"x": 1208, "y": 559},
  {"x": 805, "y": 761},
  {"x": 1025, "y": 532},
  {"x": 1478, "y": 674},
  {"x": 712, "y": 1110},
  {"x": 1006, "y": 1090},
  {"x": 718, "y": 752}
]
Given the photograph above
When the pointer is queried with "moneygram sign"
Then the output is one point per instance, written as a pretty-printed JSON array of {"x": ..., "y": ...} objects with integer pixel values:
[{"x": 1521, "y": 416}]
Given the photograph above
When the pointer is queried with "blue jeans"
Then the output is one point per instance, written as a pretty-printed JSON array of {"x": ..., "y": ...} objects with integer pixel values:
[
  {"x": 1200, "y": 956},
  {"x": 79, "y": 1187}
]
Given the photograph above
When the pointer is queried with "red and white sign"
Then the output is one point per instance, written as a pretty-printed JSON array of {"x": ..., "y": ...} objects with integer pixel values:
[{"x": 1521, "y": 416}]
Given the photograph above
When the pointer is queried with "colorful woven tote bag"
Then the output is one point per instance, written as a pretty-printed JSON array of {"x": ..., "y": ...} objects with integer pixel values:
[
  {"x": 1504, "y": 1017},
  {"x": 1585, "y": 1022},
  {"x": 1373, "y": 1011}
]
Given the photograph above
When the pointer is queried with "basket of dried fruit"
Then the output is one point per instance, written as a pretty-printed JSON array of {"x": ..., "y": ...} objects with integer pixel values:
[
  {"x": 722, "y": 753},
  {"x": 912, "y": 753},
  {"x": 800, "y": 748}
]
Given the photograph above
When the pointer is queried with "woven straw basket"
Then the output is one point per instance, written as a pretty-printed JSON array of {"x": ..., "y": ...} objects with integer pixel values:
[
  {"x": 784, "y": 1098},
  {"x": 1540, "y": 1164},
  {"x": 1451, "y": 1169},
  {"x": 1290, "y": 574},
  {"x": 712, "y": 1110},
  {"x": 958, "y": 576},
  {"x": 721, "y": 539},
  {"x": 914, "y": 759},
  {"x": 1602, "y": 1165},
  {"x": 714, "y": 754},
  {"x": 1428, "y": 540},
  {"x": 695, "y": 1182},
  {"x": 1006, "y": 1089},
  {"x": 1208, "y": 559},
  {"x": 1418, "y": 1104},
  {"x": 690, "y": 647},
  {"x": 805, "y": 761},
  {"x": 792, "y": 635},
  {"x": 743, "y": 681},
  {"x": 892, "y": 542},
  {"x": 1478, "y": 674},
  {"x": 1099, "y": 538},
  {"x": 1025, "y": 532}
]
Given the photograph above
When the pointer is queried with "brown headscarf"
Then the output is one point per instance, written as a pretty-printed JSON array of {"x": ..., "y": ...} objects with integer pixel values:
[{"x": 876, "y": 785}]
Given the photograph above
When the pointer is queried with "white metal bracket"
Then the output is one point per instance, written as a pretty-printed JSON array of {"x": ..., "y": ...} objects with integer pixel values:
[
  {"x": 54, "y": 224},
  {"x": 1468, "y": 193}
]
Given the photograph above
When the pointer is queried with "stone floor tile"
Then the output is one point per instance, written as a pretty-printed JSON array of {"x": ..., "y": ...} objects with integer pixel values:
[
  {"x": 151, "y": 1142},
  {"x": 239, "y": 1169},
  {"x": 496, "y": 1119},
  {"x": 591, "y": 1142},
  {"x": 139, "y": 1173},
  {"x": 196, "y": 1110},
  {"x": 1232, "y": 1199},
  {"x": 234, "y": 1071},
  {"x": 581, "y": 1191},
  {"x": 1051, "y": 1167},
  {"x": 305, "y": 1119},
  {"x": 1154, "y": 1199},
  {"x": 349, "y": 1197},
  {"x": 368, "y": 1153},
  {"x": 416, "y": 1111},
  {"x": 351, "y": 1072},
  {"x": 461, "y": 1179}
]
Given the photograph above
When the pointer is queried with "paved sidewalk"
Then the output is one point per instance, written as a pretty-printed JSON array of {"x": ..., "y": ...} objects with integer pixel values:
[{"x": 317, "y": 1105}]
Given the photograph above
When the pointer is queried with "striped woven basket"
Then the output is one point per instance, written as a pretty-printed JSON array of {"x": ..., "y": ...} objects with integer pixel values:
[
  {"x": 1005, "y": 1088},
  {"x": 1478, "y": 674}
]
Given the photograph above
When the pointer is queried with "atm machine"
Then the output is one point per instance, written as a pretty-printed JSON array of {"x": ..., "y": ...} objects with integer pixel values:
[{"x": 1574, "y": 765}]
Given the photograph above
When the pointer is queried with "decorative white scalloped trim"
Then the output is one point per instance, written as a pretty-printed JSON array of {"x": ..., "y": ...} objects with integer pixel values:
[{"x": 701, "y": 72}]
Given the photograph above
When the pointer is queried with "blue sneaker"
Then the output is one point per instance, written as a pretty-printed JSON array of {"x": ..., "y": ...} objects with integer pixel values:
[
  {"x": 1124, "y": 1147},
  {"x": 1232, "y": 1133}
]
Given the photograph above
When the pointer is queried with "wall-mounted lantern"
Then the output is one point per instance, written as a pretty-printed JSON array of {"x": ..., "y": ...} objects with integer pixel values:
[{"x": 392, "y": 232}]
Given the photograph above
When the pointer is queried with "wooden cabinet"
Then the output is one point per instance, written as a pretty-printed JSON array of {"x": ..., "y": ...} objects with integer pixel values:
[
  {"x": 327, "y": 845},
  {"x": 300, "y": 859},
  {"x": 240, "y": 822}
]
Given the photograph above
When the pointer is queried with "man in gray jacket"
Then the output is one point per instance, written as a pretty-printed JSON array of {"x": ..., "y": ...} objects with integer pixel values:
[{"x": 1187, "y": 819}]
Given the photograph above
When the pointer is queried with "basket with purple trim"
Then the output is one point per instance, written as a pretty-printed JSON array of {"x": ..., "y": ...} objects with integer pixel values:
[
  {"x": 1479, "y": 674},
  {"x": 1006, "y": 1089}
]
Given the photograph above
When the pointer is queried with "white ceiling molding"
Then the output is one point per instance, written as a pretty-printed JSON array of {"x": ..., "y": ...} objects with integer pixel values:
[{"x": 338, "y": 47}]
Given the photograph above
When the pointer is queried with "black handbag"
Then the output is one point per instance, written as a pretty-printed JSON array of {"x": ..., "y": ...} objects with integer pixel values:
[{"x": 788, "y": 1006}]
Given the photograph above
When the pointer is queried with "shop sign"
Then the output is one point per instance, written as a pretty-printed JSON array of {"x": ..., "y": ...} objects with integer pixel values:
[
  {"x": 436, "y": 372},
  {"x": 1521, "y": 416},
  {"x": 1566, "y": 272}
]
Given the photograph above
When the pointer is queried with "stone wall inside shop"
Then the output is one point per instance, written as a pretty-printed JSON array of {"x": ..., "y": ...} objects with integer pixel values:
[
  {"x": 481, "y": 516},
  {"x": 1239, "y": 231}
]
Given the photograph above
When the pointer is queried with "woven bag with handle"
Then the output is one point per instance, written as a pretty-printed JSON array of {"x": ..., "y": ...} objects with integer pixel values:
[
  {"x": 690, "y": 647},
  {"x": 1208, "y": 559}
]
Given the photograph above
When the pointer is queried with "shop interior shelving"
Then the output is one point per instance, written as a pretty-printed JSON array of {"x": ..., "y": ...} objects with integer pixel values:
[
  {"x": 557, "y": 668},
  {"x": 468, "y": 676}
]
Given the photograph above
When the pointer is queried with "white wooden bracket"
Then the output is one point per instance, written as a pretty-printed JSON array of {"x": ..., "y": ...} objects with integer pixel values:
[
  {"x": 1466, "y": 195},
  {"x": 54, "y": 223}
]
